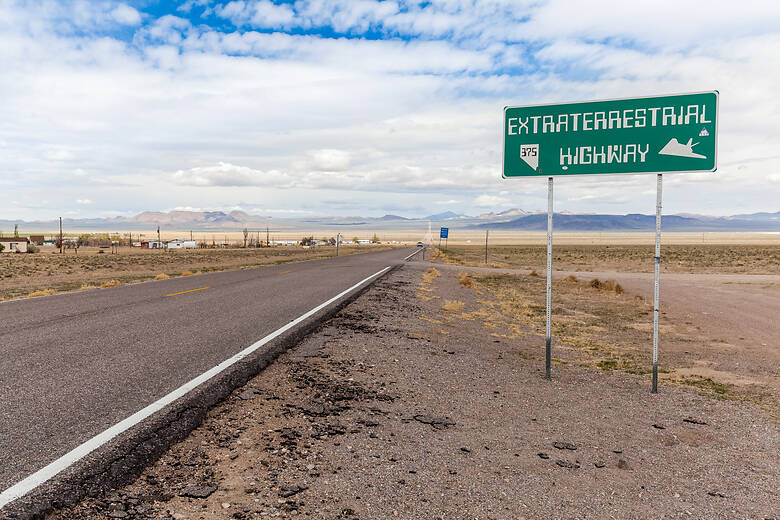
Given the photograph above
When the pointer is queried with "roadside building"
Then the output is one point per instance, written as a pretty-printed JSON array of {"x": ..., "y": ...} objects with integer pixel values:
[
  {"x": 37, "y": 239},
  {"x": 151, "y": 244},
  {"x": 182, "y": 244},
  {"x": 14, "y": 244}
]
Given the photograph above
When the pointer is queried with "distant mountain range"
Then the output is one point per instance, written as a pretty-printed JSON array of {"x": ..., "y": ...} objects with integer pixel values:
[
  {"x": 509, "y": 219},
  {"x": 638, "y": 222}
]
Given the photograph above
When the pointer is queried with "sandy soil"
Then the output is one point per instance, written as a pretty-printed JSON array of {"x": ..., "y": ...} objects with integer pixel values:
[
  {"x": 425, "y": 399},
  {"x": 23, "y": 274},
  {"x": 737, "y": 258},
  {"x": 718, "y": 331}
]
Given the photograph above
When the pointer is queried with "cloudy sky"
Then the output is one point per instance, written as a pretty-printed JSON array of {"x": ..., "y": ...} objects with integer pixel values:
[{"x": 361, "y": 107}]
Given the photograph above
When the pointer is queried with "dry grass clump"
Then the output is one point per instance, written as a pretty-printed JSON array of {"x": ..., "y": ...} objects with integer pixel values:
[
  {"x": 161, "y": 276},
  {"x": 465, "y": 280},
  {"x": 42, "y": 292},
  {"x": 430, "y": 275},
  {"x": 534, "y": 273},
  {"x": 452, "y": 306},
  {"x": 436, "y": 254},
  {"x": 187, "y": 273},
  {"x": 570, "y": 278},
  {"x": 110, "y": 283},
  {"x": 606, "y": 286},
  {"x": 87, "y": 286}
]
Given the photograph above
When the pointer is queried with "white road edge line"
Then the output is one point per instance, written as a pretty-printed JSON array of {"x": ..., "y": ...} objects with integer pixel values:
[
  {"x": 31, "y": 482},
  {"x": 408, "y": 257}
]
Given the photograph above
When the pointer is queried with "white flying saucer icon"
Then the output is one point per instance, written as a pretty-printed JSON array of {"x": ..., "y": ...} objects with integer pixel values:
[{"x": 674, "y": 147}]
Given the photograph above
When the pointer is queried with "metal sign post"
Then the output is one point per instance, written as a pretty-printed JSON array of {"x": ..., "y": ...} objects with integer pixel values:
[
  {"x": 657, "y": 279},
  {"x": 486, "y": 245},
  {"x": 655, "y": 134},
  {"x": 444, "y": 233},
  {"x": 548, "y": 328}
]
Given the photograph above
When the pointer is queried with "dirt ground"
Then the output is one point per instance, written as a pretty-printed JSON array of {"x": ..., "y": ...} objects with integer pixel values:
[
  {"x": 748, "y": 259},
  {"x": 425, "y": 398},
  {"x": 718, "y": 331},
  {"x": 48, "y": 272}
]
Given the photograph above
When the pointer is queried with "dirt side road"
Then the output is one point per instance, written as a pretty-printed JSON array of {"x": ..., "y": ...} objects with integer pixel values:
[
  {"x": 723, "y": 327},
  {"x": 399, "y": 408}
]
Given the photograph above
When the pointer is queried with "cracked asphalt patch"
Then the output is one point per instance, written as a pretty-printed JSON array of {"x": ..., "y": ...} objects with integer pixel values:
[{"x": 397, "y": 408}]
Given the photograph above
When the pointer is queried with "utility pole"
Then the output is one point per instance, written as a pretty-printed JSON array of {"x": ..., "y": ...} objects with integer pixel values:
[
  {"x": 190, "y": 235},
  {"x": 16, "y": 230},
  {"x": 61, "y": 244},
  {"x": 159, "y": 242},
  {"x": 267, "y": 237},
  {"x": 338, "y": 235}
]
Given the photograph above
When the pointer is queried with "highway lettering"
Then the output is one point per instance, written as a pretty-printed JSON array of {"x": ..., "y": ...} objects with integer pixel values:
[
  {"x": 608, "y": 154},
  {"x": 608, "y": 120}
]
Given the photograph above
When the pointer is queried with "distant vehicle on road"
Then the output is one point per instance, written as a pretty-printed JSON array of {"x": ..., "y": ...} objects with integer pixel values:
[{"x": 419, "y": 244}]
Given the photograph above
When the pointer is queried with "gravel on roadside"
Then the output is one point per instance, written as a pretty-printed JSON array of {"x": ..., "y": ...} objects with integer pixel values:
[{"x": 397, "y": 408}]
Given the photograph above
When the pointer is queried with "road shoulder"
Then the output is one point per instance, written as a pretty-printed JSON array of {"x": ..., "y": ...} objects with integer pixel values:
[{"x": 400, "y": 407}]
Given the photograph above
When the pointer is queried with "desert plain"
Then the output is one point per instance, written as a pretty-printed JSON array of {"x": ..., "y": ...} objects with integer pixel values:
[{"x": 425, "y": 398}]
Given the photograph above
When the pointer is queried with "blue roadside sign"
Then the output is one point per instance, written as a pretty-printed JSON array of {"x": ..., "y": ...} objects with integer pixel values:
[{"x": 444, "y": 232}]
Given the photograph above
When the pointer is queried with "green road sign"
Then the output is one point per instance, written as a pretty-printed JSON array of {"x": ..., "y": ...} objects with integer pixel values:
[{"x": 676, "y": 133}]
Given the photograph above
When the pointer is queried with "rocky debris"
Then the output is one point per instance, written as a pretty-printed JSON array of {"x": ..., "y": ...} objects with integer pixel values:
[
  {"x": 659, "y": 427},
  {"x": 563, "y": 463},
  {"x": 322, "y": 431},
  {"x": 622, "y": 464},
  {"x": 564, "y": 446},
  {"x": 692, "y": 420},
  {"x": 543, "y": 455},
  {"x": 438, "y": 423},
  {"x": 197, "y": 491},
  {"x": 600, "y": 464},
  {"x": 290, "y": 490},
  {"x": 716, "y": 494},
  {"x": 357, "y": 322},
  {"x": 289, "y": 433},
  {"x": 465, "y": 450},
  {"x": 249, "y": 394},
  {"x": 315, "y": 409}
]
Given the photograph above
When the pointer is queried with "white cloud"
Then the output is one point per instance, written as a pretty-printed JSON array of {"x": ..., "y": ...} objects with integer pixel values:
[
  {"x": 126, "y": 15},
  {"x": 59, "y": 155},
  {"x": 226, "y": 174},
  {"x": 83, "y": 201},
  {"x": 490, "y": 201},
  {"x": 262, "y": 13},
  {"x": 330, "y": 160}
]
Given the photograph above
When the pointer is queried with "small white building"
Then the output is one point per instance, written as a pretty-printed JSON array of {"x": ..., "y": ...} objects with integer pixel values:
[
  {"x": 182, "y": 244},
  {"x": 14, "y": 244}
]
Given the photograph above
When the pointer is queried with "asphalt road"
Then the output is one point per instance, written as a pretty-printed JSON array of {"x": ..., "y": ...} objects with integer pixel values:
[{"x": 73, "y": 365}]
